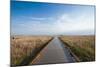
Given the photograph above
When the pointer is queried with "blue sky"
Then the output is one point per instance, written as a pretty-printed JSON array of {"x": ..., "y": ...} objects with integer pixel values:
[{"x": 35, "y": 18}]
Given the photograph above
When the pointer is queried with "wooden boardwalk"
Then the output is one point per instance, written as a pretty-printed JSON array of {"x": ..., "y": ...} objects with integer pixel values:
[{"x": 53, "y": 53}]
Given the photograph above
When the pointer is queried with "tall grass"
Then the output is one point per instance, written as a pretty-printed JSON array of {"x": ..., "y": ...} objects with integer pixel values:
[
  {"x": 23, "y": 46},
  {"x": 82, "y": 46}
]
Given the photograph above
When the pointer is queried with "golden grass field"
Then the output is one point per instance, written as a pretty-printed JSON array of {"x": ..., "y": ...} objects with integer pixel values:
[
  {"x": 23, "y": 46},
  {"x": 82, "y": 46}
]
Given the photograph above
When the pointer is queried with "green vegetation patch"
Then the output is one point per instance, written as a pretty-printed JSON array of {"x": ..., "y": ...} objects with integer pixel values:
[{"x": 82, "y": 46}]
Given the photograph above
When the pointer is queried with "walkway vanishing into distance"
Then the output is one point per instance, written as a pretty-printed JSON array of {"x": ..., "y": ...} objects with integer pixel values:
[{"x": 54, "y": 52}]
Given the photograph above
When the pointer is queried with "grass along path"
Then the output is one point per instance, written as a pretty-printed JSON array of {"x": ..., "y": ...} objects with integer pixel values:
[
  {"x": 82, "y": 46},
  {"x": 24, "y": 49}
]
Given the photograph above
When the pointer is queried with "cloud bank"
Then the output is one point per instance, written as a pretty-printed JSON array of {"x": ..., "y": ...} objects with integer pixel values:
[{"x": 64, "y": 24}]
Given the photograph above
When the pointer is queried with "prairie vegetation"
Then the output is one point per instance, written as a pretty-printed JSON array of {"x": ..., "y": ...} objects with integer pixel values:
[
  {"x": 24, "y": 46},
  {"x": 83, "y": 47}
]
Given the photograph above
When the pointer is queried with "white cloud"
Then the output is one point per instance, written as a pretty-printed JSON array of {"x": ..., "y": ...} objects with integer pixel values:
[
  {"x": 40, "y": 18},
  {"x": 67, "y": 24}
]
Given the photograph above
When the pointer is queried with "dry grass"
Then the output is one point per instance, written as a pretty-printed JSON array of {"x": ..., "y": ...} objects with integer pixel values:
[
  {"x": 23, "y": 46},
  {"x": 82, "y": 46}
]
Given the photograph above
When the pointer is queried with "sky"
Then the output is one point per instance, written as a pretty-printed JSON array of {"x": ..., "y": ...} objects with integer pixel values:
[{"x": 38, "y": 18}]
